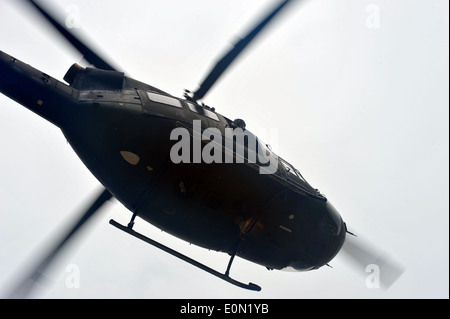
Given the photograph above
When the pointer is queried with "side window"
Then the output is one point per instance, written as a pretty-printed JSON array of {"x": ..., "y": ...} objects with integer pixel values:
[
  {"x": 202, "y": 111},
  {"x": 164, "y": 99}
]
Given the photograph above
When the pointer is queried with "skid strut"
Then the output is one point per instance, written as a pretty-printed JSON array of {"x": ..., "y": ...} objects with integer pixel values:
[{"x": 129, "y": 230}]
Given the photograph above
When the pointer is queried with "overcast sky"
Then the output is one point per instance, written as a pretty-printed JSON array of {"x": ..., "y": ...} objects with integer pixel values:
[{"x": 357, "y": 91}]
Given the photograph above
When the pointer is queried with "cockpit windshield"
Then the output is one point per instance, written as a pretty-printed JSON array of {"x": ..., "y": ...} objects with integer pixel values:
[
  {"x": 292, "y": 172},
  {"x": 293, "y": 176}
]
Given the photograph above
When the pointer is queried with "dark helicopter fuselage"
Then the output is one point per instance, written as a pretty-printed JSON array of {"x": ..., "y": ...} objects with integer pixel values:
[{"x": 121, "y": 130}]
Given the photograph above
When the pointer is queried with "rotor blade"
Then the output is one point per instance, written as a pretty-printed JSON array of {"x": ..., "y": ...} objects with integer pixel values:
[
  {"x": 88, "y": 54},
  {"x": 378, "y": 267},
  {"x": 25, "y": 287},
  {"x": 228, "y": 58}
]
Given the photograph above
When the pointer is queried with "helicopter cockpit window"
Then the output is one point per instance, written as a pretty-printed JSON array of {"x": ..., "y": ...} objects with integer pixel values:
[
  {"x": 202, "y": 111},
  {"x": 292, "y": 173},
  {"x": 158, "y": 98}
]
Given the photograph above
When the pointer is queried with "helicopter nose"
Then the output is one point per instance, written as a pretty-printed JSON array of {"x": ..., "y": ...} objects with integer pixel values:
[
  {"x": 324, "y": 244},
  {"x": 333, "y": 230},
  {"x": 331, "y": 223}
]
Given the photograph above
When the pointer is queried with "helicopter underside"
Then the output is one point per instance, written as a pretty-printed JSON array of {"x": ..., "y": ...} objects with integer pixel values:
[{"x": 224, "y": 207}]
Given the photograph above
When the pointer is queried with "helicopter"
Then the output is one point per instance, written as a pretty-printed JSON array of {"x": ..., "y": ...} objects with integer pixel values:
[{"x": 121, "y": 129}]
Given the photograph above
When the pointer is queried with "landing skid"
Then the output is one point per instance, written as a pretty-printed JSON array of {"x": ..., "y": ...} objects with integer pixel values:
[{"x": 129, "y": 230}]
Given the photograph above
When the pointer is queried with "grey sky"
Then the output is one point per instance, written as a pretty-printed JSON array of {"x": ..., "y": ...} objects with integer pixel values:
[{"x": 357, "y": 90}]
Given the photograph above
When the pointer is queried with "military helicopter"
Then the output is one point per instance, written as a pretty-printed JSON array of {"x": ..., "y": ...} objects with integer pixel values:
[{"x": 217, "y": 191}]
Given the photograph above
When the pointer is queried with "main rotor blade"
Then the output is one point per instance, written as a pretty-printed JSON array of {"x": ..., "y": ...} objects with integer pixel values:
[
  {"x": 228, "y": 58},
  {"x": 25, "y": 287},
  {"x": 378, "y": 267},
  {"x": 88, "y": 54}
]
